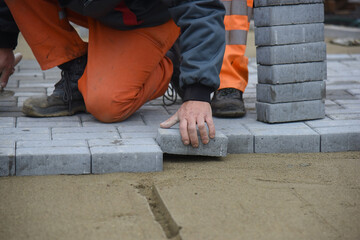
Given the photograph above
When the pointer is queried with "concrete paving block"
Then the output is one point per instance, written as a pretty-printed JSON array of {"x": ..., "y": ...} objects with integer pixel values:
[
  {"x": 26, "y": 122},
  {"x": 289, "y": 34},
  {"x": 121, "y": 142},
  {"x": 137, "y": 135},
  {"x": 288, "y": 112},
  {"x": 7, "y": 121},
  {"x": 284, "y": 138},
  {"x": 264, "y": 3},
  {"x": 292, "y": 73},
  {"x": 339, "y": 139},
  {"x": 240, "y": 140},
  {"x": 170, "y": 142},
  {"x": 16, "y": 134},
  {"x": 52, "y": 143},
  {"x": 85, "y": 133},
  {"x": 52, "y": 160},
  {"x": 289, "y": 14},
  {"x": 131, "y": 129},
  {"x": 323, "y": 123},
  {"x": 292, "y": 92},
  {"x": 7, "y": 158},
  {"x": 344, "y": 116},
  {"x": 126, "y": 158},
  {"x": 295, "y": 53}
]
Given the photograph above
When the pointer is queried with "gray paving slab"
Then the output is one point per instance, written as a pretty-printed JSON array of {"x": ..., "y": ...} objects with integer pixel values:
[
  {"x": 289, "y": 34},
  {"x": 7, "y": 158},
  {"x": 291, "y": 111},
  {"x": 292, "y": 73},
  {"x": 288, "y": 54},
  {"x": 52, "y": 160},
  {"x": 264, "y": 3},
  {"x": 126, "y": 158},
  {"x": 289, "y": 14},
  {"x": 7, "y": 122},
  {"x": 170, "y": 142},
  {"x": 284, "y": 138},
  {"x": 240, "y": 140},
  {"x": 339, "y": 138},
  {"x": 292, "y": 92}
]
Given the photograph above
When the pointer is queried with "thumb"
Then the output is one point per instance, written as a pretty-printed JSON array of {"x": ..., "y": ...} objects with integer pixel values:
[{"x": 170, "y": 122}]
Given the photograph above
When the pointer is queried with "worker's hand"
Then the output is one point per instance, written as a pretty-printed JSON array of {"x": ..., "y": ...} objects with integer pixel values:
[
  {"x": 7, "y": 63},
  {"x": 190, "y": 115}
]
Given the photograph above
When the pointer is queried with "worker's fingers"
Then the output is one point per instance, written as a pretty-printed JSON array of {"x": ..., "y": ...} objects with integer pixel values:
[
  {"x": 170, "y": 122},
  {"x": 211, "y": 126},
  {"x": 183, "y": 127},
  {"x": 203, "y": 131},
  {"x": 193, "y": 133},
  {"x": 18, "y": 58},
  {"x": 5, "y": 74}
]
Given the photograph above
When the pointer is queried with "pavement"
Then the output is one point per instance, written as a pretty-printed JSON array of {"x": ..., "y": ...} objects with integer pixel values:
[{"x": 80, "y": 144}]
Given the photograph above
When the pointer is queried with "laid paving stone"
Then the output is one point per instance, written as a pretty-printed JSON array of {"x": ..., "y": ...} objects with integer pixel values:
[
  {"x": 52, "y": 143},
  {"x": 52, "y": 160},
  {"x": 84, "y": 133},
  {"x": 264, "y": 3},
  {"x": 339, "y": 139},
  {"x": 284, "y": 138},
  {"x": 290, "y": 92},
  {"x": 290, "y": 14},
  {"x": 16, "y": 134},
  {"x": 7, "y": 158},
  {"x": 295, "y": 53},
  {"x": 121, "y": 142},
  {"x": 240, "y": 140},
  {"x": 289, "y": 34},
  {"x": 28, "y": 122},
  {"x": 170, "y": 142},
  {"x": 7, "y": 122},
  {"x": 126, "y": 158},
  {"x": 137, "y": 135},
  {"x": 323, "y": 123},
  {"x": 344, "y": 116},
  {"x": 288, "y": 112}
]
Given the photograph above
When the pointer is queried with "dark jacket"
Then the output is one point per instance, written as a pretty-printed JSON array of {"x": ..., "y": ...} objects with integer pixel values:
[
  {"x": 8, "y": 29},
  {"x": 202, "y": 39}
]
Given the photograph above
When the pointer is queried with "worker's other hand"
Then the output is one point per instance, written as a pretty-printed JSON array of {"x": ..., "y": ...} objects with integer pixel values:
[
  {"x": 7, "y": 63},
  {"x": 193, "y": 114}
]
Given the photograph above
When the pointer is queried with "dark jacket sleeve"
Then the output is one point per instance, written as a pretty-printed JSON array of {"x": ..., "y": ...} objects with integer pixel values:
[
  {"x": 202, "y": 45},
  {"x": 8, "y": 29}
]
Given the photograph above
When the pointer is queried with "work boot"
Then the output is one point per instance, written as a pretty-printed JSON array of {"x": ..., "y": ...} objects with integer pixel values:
[
  {"x": 174, "y": 86},
  {"x": 66, "y": 99},
  {"x": 228, "y": 103}
]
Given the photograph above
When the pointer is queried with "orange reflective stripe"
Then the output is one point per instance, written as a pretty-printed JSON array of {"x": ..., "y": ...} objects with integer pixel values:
[
  {"x": 236, "y": 22},
  {"x": 250, "y": 3}
]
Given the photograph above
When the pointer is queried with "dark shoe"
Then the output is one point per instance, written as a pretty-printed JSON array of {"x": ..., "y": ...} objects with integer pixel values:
[
  {"x": 228, "y": 103},
  {"x": 66, "y": 99},
  {"x": 174, "y": 86}
]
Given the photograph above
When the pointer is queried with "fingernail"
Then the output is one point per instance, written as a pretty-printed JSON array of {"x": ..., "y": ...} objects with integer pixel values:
[{"x": 186, "y": 142}]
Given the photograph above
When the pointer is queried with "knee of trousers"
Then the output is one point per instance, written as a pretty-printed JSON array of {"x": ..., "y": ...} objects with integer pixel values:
[{"x": 108, "y": 109}]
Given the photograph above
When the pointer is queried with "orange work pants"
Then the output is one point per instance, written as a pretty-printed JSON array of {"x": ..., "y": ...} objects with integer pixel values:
[
  {"x": 234, "y": 71},
  {"x": 125, "y": 69}
]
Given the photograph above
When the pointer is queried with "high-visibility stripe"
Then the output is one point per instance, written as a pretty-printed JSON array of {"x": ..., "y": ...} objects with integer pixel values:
[
  {"x": 236, "y": 22},
  {"x": 236, "y": 7},
  {"x": 236, "y": 37}
]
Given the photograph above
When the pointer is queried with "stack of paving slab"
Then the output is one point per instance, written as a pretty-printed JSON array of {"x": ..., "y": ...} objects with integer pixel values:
[{"x": 291, "y": 57}]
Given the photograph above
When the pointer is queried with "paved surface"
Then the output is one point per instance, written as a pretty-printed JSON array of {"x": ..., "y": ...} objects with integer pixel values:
[{"x": 80, "y": 144}]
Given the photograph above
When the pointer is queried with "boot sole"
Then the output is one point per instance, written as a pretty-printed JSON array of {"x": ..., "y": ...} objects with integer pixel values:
[{"x": 54, "y": 111}]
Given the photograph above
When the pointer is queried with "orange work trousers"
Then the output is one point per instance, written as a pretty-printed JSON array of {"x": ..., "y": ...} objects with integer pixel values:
[
  {"x": 125, "y": 69},
  {"x": 234, "y": 71}
]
